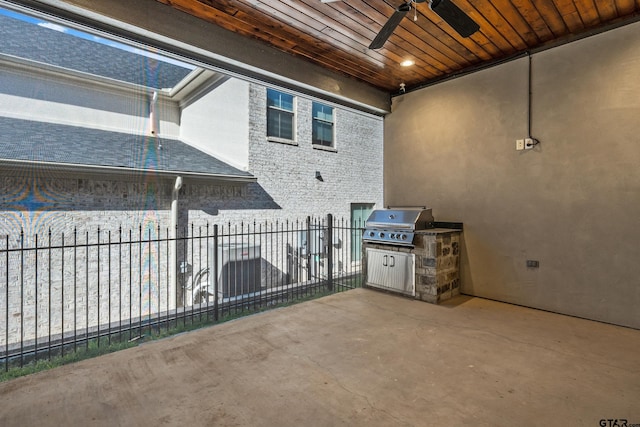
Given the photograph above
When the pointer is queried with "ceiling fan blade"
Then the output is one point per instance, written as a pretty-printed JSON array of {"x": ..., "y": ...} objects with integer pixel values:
[
  {"x": 456, "y": 18},
  {"x": 390, "y": 26}
]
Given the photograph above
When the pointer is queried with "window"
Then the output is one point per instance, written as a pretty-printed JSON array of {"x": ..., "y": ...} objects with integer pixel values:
[
  {"x": 280, "y": 115},
  {"x": 322, "y": 125}
]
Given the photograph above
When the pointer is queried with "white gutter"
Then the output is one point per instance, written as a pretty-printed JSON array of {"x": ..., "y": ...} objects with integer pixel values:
[
  {"x": 99, "y": 169},
  {"x": 173, "y": 247}
]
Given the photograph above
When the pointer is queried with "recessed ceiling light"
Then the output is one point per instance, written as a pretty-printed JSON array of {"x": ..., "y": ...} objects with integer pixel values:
[{"x": 407, "y": 63}]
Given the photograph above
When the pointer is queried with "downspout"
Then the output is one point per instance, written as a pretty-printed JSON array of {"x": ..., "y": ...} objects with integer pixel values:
[
  {"x": 153, "y": 118},
  {"x": 173, "y": 247}
]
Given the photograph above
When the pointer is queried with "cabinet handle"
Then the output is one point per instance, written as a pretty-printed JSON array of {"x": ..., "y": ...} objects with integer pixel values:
[
  {"x": 385, "y": 262},
  {"x": 393, "y": 261}
]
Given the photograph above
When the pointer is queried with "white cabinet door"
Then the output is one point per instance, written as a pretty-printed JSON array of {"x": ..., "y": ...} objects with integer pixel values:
[
  {"x": 401, "y": 276},
  {"x": 377, "y": 267}
]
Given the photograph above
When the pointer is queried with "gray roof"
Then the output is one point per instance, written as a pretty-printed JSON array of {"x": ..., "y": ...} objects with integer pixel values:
[
  {"x": 32, "y": 42},
  {"x": 73, "y": 146}
]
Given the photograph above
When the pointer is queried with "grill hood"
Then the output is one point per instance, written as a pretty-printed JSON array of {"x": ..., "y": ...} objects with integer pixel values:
[
  {"x": 400, "y": 219},
  {"x": 396, "y": 226}
]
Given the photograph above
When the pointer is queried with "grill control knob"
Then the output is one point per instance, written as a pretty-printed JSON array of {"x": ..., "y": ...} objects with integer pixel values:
[
  {"x": 382, "y": 235},
  {"x": 403, "y": 237},
  {"x": 392, "y": 236},
  {"x": 371, "y": 234}
]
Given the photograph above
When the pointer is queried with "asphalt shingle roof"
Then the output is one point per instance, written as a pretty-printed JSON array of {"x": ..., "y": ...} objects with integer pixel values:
[
  {"x": 26, "y": 140},
  {"x": 29, "y": 41}
]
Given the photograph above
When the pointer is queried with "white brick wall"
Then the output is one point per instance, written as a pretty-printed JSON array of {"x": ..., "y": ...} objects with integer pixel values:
[{"x": 352, "y": 174}]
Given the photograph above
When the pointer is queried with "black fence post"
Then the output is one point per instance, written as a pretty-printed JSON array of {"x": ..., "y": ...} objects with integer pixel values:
[
  {"x": 330, "y": 252},
  {"x": 6, "y": 312},
  {"x": 214, "y": 272},
  {"x": 21, "y": 297},
  {"x": 308, "y": 255}
]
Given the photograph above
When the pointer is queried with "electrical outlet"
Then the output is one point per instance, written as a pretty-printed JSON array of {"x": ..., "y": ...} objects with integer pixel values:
[
  {"x": 519, "y": 144},
  {"x": 529, "y": 143}
]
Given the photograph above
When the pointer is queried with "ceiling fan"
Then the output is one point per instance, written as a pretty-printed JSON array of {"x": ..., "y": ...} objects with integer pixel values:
[{"x": 449, "y": 12}]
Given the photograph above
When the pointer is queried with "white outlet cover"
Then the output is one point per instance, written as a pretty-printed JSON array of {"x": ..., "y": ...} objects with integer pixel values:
[{"x": 519, "y": 144}]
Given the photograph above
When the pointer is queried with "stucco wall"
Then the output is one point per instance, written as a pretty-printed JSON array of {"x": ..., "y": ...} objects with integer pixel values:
[{"x": 572, "y": 203}]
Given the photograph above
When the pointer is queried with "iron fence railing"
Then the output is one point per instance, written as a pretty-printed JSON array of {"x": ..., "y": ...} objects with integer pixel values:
[{"x": 65, "y": 292}]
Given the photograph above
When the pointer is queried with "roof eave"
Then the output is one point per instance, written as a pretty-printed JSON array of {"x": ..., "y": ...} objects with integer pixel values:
[{"x": 11, "y": 165}]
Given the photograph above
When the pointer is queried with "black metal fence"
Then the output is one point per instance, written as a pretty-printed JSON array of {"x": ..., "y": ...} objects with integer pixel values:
[{"x": 59, "y": 294}]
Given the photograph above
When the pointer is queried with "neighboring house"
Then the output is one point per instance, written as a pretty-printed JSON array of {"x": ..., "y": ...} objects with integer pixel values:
[
  {"x": 95, "y": 136},
  {"x": 111, "y": 129}
]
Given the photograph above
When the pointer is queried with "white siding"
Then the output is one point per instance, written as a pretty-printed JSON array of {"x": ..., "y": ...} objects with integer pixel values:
[{"x": 218, "y": 123}]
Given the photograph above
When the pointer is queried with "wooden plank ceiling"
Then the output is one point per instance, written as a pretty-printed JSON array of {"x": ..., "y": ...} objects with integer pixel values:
[{"x": 336, "y": 34}]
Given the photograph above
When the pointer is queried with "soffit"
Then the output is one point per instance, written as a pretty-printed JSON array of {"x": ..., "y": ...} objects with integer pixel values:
[{"x": 335, "y": 35}]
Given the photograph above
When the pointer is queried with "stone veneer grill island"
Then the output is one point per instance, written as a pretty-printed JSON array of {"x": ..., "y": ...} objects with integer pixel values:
[{"x": 437, "y": 263}]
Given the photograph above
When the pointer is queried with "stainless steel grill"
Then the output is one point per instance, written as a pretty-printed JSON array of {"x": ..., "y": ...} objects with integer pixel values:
[{"x": 396, "y": 226}]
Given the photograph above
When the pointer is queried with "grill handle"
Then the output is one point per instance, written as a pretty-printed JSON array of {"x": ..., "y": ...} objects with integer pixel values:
[{"x": 386, "y": 225}]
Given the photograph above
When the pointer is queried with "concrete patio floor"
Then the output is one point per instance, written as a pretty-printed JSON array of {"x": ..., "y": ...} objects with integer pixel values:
[{"x": 359, "y": 358}]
